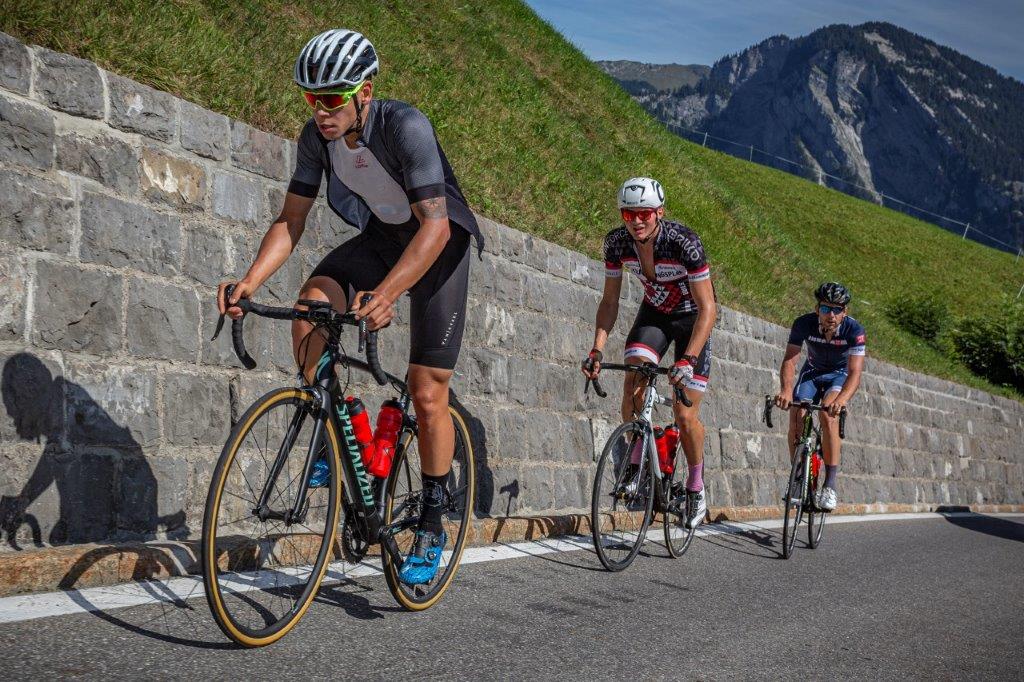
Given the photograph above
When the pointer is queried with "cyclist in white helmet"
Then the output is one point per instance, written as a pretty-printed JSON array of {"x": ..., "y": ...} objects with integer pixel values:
[
  {"x": 678, "y": 307},
  {"x": 388, "y": 176}
]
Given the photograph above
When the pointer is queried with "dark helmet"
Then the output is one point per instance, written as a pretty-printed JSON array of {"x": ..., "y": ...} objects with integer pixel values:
[{"x": 833, "y": 292}]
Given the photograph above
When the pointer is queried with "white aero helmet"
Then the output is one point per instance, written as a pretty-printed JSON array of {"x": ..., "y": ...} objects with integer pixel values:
[
  {"x": 641, "y": 193},
  {"x": 338, "y": 57}
]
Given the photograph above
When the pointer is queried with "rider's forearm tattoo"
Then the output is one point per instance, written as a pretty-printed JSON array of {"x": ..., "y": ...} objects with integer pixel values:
[{"x": 433, "y": 208}]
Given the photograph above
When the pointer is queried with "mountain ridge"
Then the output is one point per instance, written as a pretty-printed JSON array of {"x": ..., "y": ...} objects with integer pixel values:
[{"x": 890, "y": 110}]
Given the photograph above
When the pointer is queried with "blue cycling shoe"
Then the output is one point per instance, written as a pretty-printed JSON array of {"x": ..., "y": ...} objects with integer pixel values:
[
  {"x": 321, "y": 474},
  {"x": 420, "y": 567}
]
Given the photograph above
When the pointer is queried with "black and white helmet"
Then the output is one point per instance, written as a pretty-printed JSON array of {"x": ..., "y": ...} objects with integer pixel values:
[
  {"x": 833, "y": 292},
  {"x": 334, "y": 58},
  {"x": 641, "y": 193}
]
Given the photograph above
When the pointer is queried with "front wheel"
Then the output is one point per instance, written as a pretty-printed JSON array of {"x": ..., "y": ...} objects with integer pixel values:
[
  {"x": 403, "y": 506},
  {"x": 623, "y": 499},
  {"x": 793, "y": 508},
  {"x": 262, "y": 565}
]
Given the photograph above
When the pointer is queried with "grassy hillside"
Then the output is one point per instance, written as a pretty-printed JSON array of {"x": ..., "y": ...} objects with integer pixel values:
[{"x": 541, "y": 139}]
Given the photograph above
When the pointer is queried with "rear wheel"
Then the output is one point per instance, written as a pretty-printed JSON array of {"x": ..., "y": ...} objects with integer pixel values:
[
  {"x": 403, "y": 506},
  {"x": 677, "y": 536},
  {"x": 793, "y": 506},
  {"x": 261, "y": 567},
  {"x": 623, "y": 500}
]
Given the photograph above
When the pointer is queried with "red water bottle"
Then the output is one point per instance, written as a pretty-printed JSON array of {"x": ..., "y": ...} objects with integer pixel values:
[
  {"x": 659, "y": 445},
  {"x": 385, "y": 436},
  {"x": 816, "y": 463},
  {"x": 667, "y": 449},
  {"x": 360, "y": 419}
]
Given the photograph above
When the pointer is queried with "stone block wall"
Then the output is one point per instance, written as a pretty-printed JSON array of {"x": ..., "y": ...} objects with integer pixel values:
[{"x": 122, "y": 207}]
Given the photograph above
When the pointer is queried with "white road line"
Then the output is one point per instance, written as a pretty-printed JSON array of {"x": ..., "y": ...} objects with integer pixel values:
[{"x": 32, "y": 606}]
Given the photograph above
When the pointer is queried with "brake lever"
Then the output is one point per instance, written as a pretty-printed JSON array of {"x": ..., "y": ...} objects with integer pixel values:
[
  {"x": 363, "y": 332},
  {"x": 220, "y": 320}
]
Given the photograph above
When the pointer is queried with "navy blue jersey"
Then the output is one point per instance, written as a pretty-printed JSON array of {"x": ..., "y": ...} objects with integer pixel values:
[
  {"x": 848, "y": 340},
  {"x": 678, "y": 259}
]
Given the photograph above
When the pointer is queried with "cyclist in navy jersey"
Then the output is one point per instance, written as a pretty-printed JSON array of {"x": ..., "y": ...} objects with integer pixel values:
[
  {"x": 678, "y": 307},
  {"x": 831, "y": 375},
  {"x": 387, "y": 175}
]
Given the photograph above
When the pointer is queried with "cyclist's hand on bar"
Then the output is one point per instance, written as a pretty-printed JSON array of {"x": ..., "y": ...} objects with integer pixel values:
[
  {"x": 782, "y": 400},
  {"x": 591, "y": 365},
  {"x": 837, "y": 406},
  {"x": 378, "y": 311},
  {"x": 680, "y": 373},
  {"x": 243, "y": 289}
]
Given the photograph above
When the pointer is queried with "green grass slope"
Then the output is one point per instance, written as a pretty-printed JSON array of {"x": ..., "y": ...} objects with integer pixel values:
[{"x": 541, "y": 139}]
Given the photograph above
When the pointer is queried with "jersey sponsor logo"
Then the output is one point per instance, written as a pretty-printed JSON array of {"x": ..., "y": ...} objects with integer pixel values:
[
  {"x": 833, "y": 342},
  {"x": 860, "y": 339},
  {"x": 361, "y": 162},
  {"x": 667, "y": 272}
]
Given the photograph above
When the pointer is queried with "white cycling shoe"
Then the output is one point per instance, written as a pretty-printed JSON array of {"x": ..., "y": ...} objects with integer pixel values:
[
  {"x": 697, "y": 508},
  {"x": 826, "y": 499}
]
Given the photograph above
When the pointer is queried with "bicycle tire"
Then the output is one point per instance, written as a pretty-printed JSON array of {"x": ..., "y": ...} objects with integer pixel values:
[
  {"x": 677, "y": 536},
  {"x": 403, "y": 481},
  {"x": 815, "y": 517},
  {"x": 239, "y": 573},
  {"x": 793, "y": 507},
  {"x": 622, "y": 513}
]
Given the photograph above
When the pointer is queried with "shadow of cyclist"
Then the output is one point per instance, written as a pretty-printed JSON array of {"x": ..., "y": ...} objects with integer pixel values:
[
  {"x": 989, "y": 525},
  {"x": 105, "y": 487}
]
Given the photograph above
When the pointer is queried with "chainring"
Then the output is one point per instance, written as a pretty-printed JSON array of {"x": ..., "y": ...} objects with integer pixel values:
[{"x": 353, "y": 546}]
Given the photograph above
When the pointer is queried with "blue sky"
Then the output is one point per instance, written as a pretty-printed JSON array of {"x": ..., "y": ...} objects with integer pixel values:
[{"x": 699, "y": 32}]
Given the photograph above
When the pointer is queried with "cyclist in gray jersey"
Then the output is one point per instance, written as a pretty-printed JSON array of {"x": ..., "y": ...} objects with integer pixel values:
[{"x": 388, "y": 176}]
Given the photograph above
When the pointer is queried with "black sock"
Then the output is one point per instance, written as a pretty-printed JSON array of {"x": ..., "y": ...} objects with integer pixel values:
[
  {"x": 830, "y": 475},
  {"x": 433, "y": 502}
]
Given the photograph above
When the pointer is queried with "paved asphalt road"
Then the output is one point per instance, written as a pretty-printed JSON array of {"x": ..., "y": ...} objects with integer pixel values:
[{"x": 923, "y": 599}]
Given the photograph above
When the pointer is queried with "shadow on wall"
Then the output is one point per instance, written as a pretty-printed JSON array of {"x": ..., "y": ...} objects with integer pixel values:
[
  {"x": 105, "y": 487},
  {"x": 484, "y": 476}
]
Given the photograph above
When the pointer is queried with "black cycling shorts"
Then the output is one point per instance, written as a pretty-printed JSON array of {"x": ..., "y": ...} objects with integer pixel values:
[
  {"x": 437, "y": 307},
  {"x": 652, "y": 333}
]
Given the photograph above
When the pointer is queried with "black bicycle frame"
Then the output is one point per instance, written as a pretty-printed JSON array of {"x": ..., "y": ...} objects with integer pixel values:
[{"x": 363, "y": 501}]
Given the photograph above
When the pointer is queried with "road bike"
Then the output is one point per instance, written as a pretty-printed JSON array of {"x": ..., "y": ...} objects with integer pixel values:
[
  {"x": 625, "y": 493},
  {"x": 805, "y": 479},
  {"x": 268, "y": 536}
]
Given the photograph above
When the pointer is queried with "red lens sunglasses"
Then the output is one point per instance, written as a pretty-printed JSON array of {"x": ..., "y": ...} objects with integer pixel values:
[{"x": 644, "y": 214}]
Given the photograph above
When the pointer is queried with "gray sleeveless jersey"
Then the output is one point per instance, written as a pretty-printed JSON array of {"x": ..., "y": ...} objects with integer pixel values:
[{"x": 398, "y": 140}]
